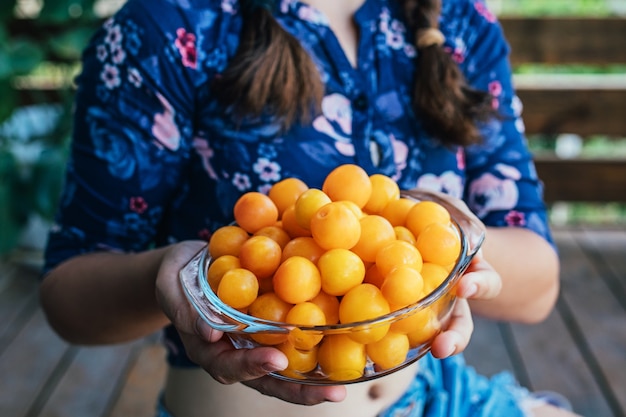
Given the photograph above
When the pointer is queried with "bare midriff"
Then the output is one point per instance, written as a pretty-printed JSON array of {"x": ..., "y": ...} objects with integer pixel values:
[{"x": 194, "y": 393}]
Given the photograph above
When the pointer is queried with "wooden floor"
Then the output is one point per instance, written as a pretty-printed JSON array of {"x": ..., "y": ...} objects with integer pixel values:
[{"x": 579, "y": 351}]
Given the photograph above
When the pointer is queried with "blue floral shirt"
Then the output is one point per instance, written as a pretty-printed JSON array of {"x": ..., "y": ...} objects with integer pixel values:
[{"x": 155, "y": 159}]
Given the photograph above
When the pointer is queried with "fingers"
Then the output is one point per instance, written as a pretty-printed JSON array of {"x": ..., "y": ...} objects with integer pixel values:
[
  {"x": 229, "y": 365},
  {"x": 457, "y": 336},
  {"x": 480, "y": 281},
  {"x": 298, "y": 393},
  {"x": 214, "y": 352},
  {"x": 168, "y": 291}
]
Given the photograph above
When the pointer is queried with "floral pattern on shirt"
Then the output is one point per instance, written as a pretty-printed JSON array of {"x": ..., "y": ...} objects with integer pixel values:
[{"x": 157, "y": 159}]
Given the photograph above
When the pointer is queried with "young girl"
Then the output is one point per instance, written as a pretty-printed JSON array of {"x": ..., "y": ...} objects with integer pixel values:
[{"x": 184, "y": 105}]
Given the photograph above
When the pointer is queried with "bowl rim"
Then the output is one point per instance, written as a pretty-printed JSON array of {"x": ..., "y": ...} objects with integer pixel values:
[{"x": 471, "y": 232}]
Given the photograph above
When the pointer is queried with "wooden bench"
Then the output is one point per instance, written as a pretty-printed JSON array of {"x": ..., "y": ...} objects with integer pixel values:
[{"x": 585, "y": 105}]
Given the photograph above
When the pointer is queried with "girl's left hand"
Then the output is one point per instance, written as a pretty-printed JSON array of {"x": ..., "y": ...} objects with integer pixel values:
[{"x": 480, "y": 282}]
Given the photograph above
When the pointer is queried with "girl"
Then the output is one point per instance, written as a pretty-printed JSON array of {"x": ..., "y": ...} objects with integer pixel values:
[{"x": 183, "y": 105}]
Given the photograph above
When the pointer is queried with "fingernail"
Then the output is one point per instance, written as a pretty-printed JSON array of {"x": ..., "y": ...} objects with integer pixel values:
[
  {"x": 450, "y": 351},
  {"x": 271, "y": 367},
  {"x": 471, "y": 291},
  {"x": 203, "y": 329}
]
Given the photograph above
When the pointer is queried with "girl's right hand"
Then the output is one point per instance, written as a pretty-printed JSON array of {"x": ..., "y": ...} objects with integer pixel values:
[{"x": 212, "y": 350}]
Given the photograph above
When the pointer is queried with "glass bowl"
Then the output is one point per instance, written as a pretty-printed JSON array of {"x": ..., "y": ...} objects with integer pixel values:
[{"x": 427, "y": 317}]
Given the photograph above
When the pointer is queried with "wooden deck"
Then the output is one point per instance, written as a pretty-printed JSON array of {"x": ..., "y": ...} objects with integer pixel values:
[{"x": 580, "y": 350}]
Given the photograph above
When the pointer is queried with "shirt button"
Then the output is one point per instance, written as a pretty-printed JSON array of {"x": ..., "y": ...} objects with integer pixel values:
[{"x": 360, "y": 102}]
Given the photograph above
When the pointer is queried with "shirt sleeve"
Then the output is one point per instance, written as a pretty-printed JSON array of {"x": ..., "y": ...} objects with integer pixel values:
[
  {"x": 502, "y": 186},
  {"x": 132, "y": 125}
]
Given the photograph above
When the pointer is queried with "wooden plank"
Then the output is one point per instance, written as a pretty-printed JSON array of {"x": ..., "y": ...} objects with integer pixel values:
[
  {"x": 90, "y": 382},
  {"x": 28, "y": 364},
  {"x": 590, "y": 111},
  {"x": 596, "y": 320},
  {"x": 144, "y": 383},
  {"x": 600, "y": 180},
  {"x": 487, "y": 351},
  {"x": 565, "y": 40},
  {"x": 553, "y": 362},
  {"x": 559, "y": 353},
  {"x": 18, "y": 300},
  {"x": 608, "y": 249}
]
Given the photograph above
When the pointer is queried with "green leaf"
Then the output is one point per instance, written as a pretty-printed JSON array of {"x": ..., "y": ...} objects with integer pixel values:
[
  {"x": 6, "y": 69},
  {"x": 9, "y": 99},
  {"x": 71, "y": 43},
  {"x": 60, "y": 11},
  {"x": 55, "y": 11},
  {"x": 24, "y": 56}
]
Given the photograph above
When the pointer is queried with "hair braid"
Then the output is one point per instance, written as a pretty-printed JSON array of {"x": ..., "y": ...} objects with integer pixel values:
[
  {"x": 270, "y": 71},
  {"x": 450, "y": 107}
]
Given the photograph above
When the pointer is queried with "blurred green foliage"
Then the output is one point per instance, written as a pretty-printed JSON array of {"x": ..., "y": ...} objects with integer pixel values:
[
  {"x": 39, "y": 57},
  {"x": 586, "y": 8}
]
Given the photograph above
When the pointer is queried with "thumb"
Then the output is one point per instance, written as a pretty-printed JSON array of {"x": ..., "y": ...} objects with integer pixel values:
[{"x": 207, "y": 332}]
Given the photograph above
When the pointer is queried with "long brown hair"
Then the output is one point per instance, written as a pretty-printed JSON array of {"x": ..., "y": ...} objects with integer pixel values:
[{"x": 272, "y": 72}]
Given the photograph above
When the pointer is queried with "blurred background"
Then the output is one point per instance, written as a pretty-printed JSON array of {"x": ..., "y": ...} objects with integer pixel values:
[
  {"x": 569, "y": 66},
  {"x": 40, "y": 46}
]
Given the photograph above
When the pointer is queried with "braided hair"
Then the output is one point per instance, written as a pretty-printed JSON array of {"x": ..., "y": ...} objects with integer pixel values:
[{"x": 272, "y": 72}]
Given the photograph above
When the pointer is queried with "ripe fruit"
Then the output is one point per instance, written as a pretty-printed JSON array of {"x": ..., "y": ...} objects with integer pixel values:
[
  {"x": 402, "y": 233},
  {"x": 238, "y": 288},
  {"x": 254, "y": 210},
  {"x": 403, "y": 286},
  {"x": 276, "y": 233},
  {"x": 341, "y": 358},
  {"x": 373, "y": 276},
  {"x": 285, "y": 192},
  {"x": 376, "y": 232},
  {"x": 261, "y": 255},
  {"x": 439, "y": 243},
  {"x": 334, "y": 225},
  {"x": 329, "y": 305},
  {"x": 350, "y": 252},
  {"x": 227, "y": 240},
  {"x": 433, "y": 275},
  {"x": 396, "y": 211},
  {"x": 269, "y": 306},
  {"x": 307, "y": 205},
  {"x": 348, "y": 182},
  {"x": 429, "y": 328},
  {"x": 219, "y": 267},
  {"x": 300, "y": 361},
  {"x": 390, "y": 351},
  {"x": 398, "y": 253},
  {"x": 340, "y": 271},
  {"x": 304, "y": 246},
  {"x": 297, "y": 280},
  {"x": 361, "y": 303},
  {"x": 384, "y": 190},
  {"x": 424, "y": 213},
  {"x": 305, "y": 314},
  {"x": 290, "y": 224}
]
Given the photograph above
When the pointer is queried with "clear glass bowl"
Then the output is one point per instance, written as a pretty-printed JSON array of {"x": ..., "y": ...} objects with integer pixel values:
[{"x": 434, "y": 308}]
